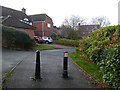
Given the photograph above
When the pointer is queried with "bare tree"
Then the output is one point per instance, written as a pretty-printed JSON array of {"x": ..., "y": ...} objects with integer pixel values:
[
  {"x": 73, "y": 21},
  {"x": 70, "y": 26},
  {"x": 102, "y": 21}
]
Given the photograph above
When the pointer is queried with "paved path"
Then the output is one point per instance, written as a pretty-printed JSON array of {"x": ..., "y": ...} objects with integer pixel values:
[
  {"x": 11, "y": 57},
  {"x": 51, "y": 72}
]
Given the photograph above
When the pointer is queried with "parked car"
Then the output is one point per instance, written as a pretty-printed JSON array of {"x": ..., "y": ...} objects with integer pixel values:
[
  {"x": 47, "y": 40},
  {"x": 39, "y": 39}
]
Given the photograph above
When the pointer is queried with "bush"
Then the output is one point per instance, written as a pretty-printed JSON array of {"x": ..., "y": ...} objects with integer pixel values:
[
  {"x": 16, "y": 38},
  {"x": 94, "y": 46},
  {"x": 111, "y": 61},
  {"x": 67, "y": 42},
  {"x": 102, "y": 48}
]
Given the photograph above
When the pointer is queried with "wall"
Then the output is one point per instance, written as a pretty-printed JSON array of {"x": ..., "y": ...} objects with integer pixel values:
[
  {"x": 38, "y": 31},
  {"x": 43, "y": 25},
  {"x": 30, "y": 32},
  {"x": 48, "y": 31}
]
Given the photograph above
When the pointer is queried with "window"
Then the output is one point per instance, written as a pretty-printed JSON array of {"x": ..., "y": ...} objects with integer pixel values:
[
  {"x": 49, "y": 25},
  {"x": 25, "y": 19}
]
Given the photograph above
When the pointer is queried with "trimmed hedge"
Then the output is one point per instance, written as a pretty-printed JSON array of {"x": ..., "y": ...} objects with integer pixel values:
[
  {"x": 67, "y": 42},
  {"x": 104, "y": 42},
  {"x": 16, "y": 38}
]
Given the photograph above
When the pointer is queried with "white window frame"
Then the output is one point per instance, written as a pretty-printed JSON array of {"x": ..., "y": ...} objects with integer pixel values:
[{"x": 48, "y": 25}]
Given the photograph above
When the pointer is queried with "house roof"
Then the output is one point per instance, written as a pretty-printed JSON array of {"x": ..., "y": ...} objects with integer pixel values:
[
  {"x": 89, "y": 27},
  {"x": 14, "y": 13},
  {"x": 15, "y": 22},
  {"x": 39, "y": 17}
]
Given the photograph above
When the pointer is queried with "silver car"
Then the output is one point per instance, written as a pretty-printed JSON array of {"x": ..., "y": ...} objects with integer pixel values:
[{"x": 47, "y": 40}]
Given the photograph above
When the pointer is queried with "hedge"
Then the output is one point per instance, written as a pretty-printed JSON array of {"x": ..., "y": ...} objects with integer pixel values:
[
  {"x": 104, "y": 42},
  {"x": 16, "y": 38},
  {"x": 67, "y": 42}
]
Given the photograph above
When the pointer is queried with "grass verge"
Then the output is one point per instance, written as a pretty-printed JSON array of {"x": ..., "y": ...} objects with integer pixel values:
[
  {"x": 43, "y": 47},
  {"x": 92, "y": 69}
]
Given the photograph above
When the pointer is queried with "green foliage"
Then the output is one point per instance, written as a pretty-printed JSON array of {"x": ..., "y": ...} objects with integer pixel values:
[
  {"x": 69, "y": 33},
  {"x": 56, "y": 37},
  {"x": 16, "y": 38},
  {"x": 102, "y": 47},
  {"x": 111, "y": 61},
  {"x": 93, "y": 46},
  {"x": 67, "y": 42}
]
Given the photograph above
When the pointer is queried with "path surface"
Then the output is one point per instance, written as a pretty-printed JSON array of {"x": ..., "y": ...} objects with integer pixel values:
[
  {"x": 51, "y": 72},
  {"x": 11, "y": 57}
]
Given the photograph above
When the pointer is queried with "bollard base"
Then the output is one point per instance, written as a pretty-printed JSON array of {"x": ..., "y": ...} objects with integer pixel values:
[
  {"x": 65, "y": 74},
  {"x": 37, "y": 77}
]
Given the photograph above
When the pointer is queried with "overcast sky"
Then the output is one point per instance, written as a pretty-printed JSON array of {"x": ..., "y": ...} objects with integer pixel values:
[{"x": 58, "y": 10}]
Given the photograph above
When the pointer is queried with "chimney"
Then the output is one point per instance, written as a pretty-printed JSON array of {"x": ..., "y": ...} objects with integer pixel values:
[{"x": 23, "y": 10}]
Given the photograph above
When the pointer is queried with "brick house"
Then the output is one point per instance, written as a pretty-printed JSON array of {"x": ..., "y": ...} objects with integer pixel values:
[
  {"x": 85, "y": 30},
  {"x": 17, "y": 19},
  {"x": 43, "y": 24},
  {"x": 56, "y": 30}
]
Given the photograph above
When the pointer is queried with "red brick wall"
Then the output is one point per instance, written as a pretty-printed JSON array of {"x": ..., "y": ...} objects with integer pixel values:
[
  {"x": 30, "y": 32},
  {"x": 38, "y": 30},
  {"x": 47, "y": 31}
]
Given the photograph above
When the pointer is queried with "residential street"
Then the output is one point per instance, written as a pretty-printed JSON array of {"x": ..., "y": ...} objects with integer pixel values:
[{"x": 51, "y": 72}]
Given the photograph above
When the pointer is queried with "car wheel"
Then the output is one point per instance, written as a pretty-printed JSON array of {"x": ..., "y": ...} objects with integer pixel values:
[{"x": 46, "y": 42}]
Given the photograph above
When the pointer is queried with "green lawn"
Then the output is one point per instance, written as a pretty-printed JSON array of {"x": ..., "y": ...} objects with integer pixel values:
[
  {"x": 43, "y": 47},
  {"x": 91, "y": 68}
]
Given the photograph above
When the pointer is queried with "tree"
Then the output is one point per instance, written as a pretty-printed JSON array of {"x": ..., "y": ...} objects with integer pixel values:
[
  {"x": 70, "y": 27},
  {"x": 68, "y": 32},
  {"x": 73, "y": 21},
  {"x": 102, "y": 21}
]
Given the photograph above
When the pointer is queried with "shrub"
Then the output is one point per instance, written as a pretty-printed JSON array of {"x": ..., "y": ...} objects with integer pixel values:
[
  {"x": 102, "y": 48},
  {"x": 94, "y": 46},
  {"x": 67, "y": 42},
  {"x": 16, "y": 38},
  {"x": 111, "y": 61}
]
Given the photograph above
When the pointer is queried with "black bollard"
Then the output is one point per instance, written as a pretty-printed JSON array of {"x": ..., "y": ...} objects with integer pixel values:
[
  {"x": 37, "y": 69},
  {"x": 65, "y": 65}
]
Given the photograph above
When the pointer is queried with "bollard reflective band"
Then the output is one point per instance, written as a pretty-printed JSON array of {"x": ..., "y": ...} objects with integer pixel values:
[
  {"x": 65, "y": 54},
  {"x": 37, "y": 50}
]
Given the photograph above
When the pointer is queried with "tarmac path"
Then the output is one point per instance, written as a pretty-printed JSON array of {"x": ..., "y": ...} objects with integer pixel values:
[{"x": 51, "y": 72}]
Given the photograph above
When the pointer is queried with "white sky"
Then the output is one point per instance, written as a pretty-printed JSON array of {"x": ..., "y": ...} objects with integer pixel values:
[{"x": 58, "y": 10}]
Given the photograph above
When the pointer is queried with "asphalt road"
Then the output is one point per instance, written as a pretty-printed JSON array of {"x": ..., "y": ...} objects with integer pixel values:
[{"x": 51, "y": 72}]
